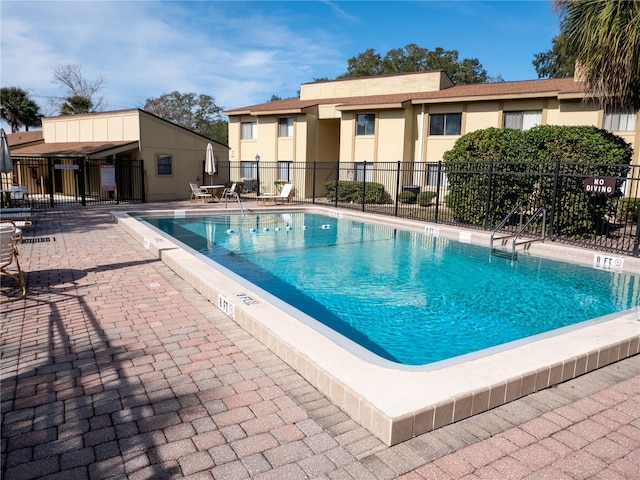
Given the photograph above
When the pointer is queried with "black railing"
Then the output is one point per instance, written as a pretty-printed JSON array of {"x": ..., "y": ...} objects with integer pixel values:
[
  {"x": 52, "y": 181},
  {"x": 591, "y": 205}
]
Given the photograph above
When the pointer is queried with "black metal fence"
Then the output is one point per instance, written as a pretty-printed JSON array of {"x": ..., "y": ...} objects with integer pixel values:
[
  {"x": 61, "y": 181},
  {"x": 591, "y": 205}
]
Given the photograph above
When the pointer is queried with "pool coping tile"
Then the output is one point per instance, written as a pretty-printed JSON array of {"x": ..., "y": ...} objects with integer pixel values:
[{"x": 397, "y": 404}]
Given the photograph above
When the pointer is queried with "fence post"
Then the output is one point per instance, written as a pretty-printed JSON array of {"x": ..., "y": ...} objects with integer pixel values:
[
  {"x": 636, "y": 243},
  {"x": 438, "y": 190},
  {"x": 50, "y": 180},
  {"x": 337, "y": 182},
  {"x": 397, "y": 187},
  {"x": 364, "y": 184},
  {"x": 313, "y": 183},
  {"x": 81, "y": 185},
  {"x": 488, "y": 203},
  {"x": 143, "y": 194},
  {"x": 554, "y": 198}
]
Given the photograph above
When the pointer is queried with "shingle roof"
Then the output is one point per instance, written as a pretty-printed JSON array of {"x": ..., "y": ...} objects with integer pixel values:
[
  {"x": 546, "y": 87},
  {"x": 18, "y": 139}
]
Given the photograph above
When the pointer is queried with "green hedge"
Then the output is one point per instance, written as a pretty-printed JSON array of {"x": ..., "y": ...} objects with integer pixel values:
[
  {"x": 425, "y": 199},
  {"x": 628, "y": 210},
  {"x": 522, "y": 166},
  {"x": 407, "y": 197},
  {"x": 350, "y": 191}
]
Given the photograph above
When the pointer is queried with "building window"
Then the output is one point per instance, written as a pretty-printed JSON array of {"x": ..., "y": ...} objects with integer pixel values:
[
  {"x": 364, "y": 172},
  {"x": 163, "y": 164},
  {"x": 433, "y": 172},
  {"x": 249, "y": 130},
  {"x": 445, "y": 124},
  {"x": 285, "y": 171},
  {"x": 522, "y": 120},
  {"x": 249, "y": 169},
  {"x": 285, "y": 127},
  {"x": 620, "y": 120},
  {"x": 366, "y": 124}
]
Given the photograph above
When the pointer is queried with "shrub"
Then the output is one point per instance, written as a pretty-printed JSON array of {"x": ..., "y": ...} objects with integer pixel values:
[
  {"x": 407, "y": 197},
  {"x": 350, "y": 191},
  {"x": 628, "y": 210},
  {"x": 425, "y": 199},
  {"x": 521, "y": 166}
]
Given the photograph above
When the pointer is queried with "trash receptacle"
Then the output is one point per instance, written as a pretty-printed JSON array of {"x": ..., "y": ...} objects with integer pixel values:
[{"x": 415, "y": 189}]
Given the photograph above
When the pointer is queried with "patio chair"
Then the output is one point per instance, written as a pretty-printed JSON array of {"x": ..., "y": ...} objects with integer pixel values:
[
  {"x": 9, "y": 264},
  {"x": 18, "y": 195},
  {"x": 197, "y": 194},
  {"x": 284, "y": 194},
  {"x": 230, "y": 192},
  {"x": 19, "y": 226}
]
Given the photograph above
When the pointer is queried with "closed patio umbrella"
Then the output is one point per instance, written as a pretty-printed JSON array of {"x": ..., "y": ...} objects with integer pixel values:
[
  {"x": 6, "y": 164},
  {"x": 6, "y": 167},
  {"x": 210, "y": 163}
]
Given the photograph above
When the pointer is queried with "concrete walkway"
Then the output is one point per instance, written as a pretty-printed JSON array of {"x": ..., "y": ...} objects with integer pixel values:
[{"x": 114, "y": 368}]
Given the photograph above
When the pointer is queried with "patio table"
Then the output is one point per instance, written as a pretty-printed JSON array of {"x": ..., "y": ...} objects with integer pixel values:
[{"x": 213, "y": 190}]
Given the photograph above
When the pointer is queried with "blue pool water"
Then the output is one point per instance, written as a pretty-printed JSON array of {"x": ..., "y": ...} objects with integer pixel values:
[{"x": 405, "y": 296}]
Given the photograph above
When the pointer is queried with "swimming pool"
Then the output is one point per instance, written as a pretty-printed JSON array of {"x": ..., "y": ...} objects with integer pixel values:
[
  {"x": 405, "y": 296},
  {"x": 395, "y": 402}
]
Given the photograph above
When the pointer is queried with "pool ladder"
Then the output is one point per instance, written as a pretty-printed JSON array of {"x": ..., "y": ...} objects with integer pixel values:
[
  {"x": 522, "y": 226},
  {"x": 237, "y": 195}
]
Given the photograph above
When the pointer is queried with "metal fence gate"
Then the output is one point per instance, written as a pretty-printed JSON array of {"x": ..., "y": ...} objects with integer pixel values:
[{"x": 52, "y": 181}]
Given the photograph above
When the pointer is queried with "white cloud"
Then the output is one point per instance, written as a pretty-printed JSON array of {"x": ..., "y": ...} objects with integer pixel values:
[{"x": 238, "y": 55}]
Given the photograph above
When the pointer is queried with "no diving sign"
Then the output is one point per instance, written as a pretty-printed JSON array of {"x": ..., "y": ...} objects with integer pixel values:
[{"x": 606, "y": 186}]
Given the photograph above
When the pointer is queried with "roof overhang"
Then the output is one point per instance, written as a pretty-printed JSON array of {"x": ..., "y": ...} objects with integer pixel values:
[
  {"x": 91, "y": 150},
  {"x": 371, "y": 106},
  {"x": 486, "y": 98},
  {"x": 288, "y": 111}
]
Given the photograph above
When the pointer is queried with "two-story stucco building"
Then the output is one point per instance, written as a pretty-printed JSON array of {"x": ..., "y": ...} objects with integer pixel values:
[{"x": 413, "y": 118}]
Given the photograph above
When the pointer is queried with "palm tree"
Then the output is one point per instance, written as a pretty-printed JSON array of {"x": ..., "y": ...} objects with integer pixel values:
[
  {"x": 605, "y": 38},
  {"x": 76, "y": 104},
  {"x": 17, "y": 109}
]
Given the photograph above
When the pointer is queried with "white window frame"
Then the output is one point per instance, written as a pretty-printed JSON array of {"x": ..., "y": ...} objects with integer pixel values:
[
  {"x": 620, "y": 120},
  {"x": 285, "y": 170},
  {"x": 448, "y": 120},
  {"x": 365, "y": 124},
  {"x": 522, "y": 120},
  {"x": 285, "y": 127},
  {"x": 249, "y": 130},
  {"x": 249, "y": 169},
  {"x": 364, "y": 171}
]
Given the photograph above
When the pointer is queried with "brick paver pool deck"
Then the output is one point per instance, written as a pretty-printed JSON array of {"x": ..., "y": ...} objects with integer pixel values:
[{"x": 113, "y": 367}]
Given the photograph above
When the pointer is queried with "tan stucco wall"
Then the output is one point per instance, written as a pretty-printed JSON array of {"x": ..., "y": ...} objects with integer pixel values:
[
  {"x": 107, "y": 126},
  {"x": 188, "y": 151},
  {"x": 359, "y": 87}
]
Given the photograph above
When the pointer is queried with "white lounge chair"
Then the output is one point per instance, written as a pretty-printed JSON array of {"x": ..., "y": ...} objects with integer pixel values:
[
  {"x": 285, "y": 194},
  {"x": 197, "y": 194},
  {"x": 9, "y": 264},
  {"x": 230, "y": 192}
]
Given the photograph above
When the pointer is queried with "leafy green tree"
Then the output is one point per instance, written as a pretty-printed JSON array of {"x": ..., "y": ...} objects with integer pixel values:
[
  {"x": 604, "y": 36},
  {"x": 275, "y": 97},
  {"x": 413, "y": 58},
  {"x": 365, "y": 64},
  {"x": 76, "y": 104},
  {"x": 17, "y": 109},
  {"x": 557, "y": 62},
  {"x": 198, "y": 113}
]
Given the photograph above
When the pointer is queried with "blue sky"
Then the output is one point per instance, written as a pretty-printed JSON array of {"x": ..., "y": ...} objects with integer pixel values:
[{"x": 241, "y": 53}]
